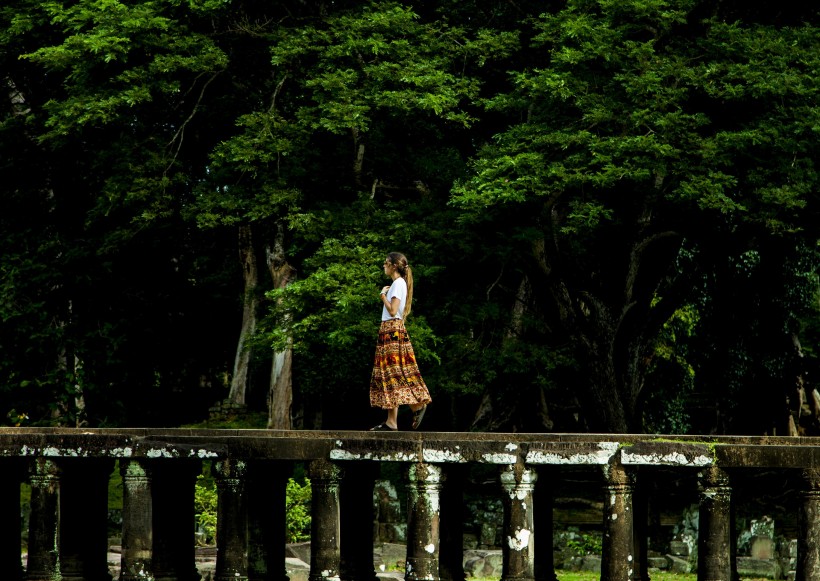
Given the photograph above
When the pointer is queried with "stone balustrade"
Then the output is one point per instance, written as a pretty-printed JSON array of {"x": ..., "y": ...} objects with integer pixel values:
[{"x": 68, "y": 472}]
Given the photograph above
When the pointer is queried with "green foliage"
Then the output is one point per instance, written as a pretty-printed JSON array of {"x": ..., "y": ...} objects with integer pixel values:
[
  {"x": 297, "y": 516},
  {"x": 205, "y": 509},
  {"x": 297, "y": 512},
  {"x": 585, "y": 544}
]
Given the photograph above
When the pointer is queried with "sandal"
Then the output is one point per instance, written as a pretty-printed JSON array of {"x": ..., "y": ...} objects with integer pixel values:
[
  {"x": 382, "y": 428},
  {"x": 418, "y": 415}
]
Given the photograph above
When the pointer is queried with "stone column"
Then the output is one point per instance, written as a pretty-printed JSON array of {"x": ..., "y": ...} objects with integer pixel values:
[
  {"x": 12, "y": 470},
  {"x": 232, "y": 521},
  {"x": 715, "y": 526},
  {"x": 640, "y": 506},
  {"x": 266, "y": 490},
  {"x": 84, "y": 519},
  {"x": 808, "y": 532},
  {"x": 617, "y": 561},
  {"x": 451, "y": 558},
  {"x": 357, "y": 521},
  {"x": 424, "y": 484},
  {"x": 324, "y": 525},
  {"x": 174, "y": 555},
  {"x": 44, "y": 522},
  {"x": 544, "y": 561},
  {"x": 137, "y": 521},
  {"x": 518, "y": 549}
]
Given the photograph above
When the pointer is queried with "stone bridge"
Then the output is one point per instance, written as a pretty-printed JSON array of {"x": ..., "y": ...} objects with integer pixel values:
[{"x": 69, "y": 470}]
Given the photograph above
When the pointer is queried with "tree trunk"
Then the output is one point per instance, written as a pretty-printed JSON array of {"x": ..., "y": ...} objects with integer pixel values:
[
  {"x": 611, "y": 334},
  {"x": 280, "y": 395},
  {"x": 239, "y": 381}
]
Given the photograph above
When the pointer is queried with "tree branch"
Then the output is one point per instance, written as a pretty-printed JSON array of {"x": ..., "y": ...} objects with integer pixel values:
[{"x": 180, "y": 134}]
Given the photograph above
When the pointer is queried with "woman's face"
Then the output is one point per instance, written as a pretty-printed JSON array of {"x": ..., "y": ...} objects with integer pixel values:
[{"x": 389, "y": 268}]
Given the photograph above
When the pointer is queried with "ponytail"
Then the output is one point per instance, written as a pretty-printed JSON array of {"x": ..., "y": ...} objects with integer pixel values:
[
  {"x": 408, "y": 277},
  {"x": 399, "y": 260}
]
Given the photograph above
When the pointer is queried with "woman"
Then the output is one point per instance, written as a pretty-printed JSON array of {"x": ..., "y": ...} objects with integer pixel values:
[{"x": 396, "y": 379}]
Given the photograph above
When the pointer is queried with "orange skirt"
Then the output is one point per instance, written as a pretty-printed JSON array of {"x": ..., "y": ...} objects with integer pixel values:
[{"x": 396, "y": 379}]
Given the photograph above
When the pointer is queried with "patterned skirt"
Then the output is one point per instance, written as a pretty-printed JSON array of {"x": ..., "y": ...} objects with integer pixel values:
[{"x": 396, "y": 379}]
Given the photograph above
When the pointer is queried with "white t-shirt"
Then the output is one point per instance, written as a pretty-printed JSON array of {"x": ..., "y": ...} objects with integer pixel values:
[{"x": 397, "y": 289}]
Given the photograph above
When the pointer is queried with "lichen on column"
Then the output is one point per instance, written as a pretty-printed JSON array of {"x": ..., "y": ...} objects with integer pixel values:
[
  {"x": 423, "y": 534},
  {"x": 232, "y": 520},
  {"x": 715, "y": 552},
  {"x": 325, "y": 479},
  {"x": 618, "y": 561},
  {"x": 808, "y": 522},
  {"x": 518, "y": 485}
]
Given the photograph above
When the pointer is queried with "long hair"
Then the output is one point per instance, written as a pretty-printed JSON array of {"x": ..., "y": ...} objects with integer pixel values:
[{"x": 399, "y": 260}]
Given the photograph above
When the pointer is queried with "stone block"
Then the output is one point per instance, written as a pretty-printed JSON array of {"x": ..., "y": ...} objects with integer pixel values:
[
  {"x": 487, "y": 538},
  {"x": 483, "y": 563},
  {"x": 657, "y": 563},
  {"x": 299, "y": 551},
  {"x": 757, "y": 568},
  {"x": 390, "y": 556},
  {"x": 474, "y": 566},
  {"x": 763, "y": 527},
  {"x": 678, "y": 565},
  {"x": 761, "y": 548},
  {"x": 679, "y": 548},
  {"x": 591, "y": 563},
  {"x": 493, "y": 564},
  {"x": 297, "y": 569}
]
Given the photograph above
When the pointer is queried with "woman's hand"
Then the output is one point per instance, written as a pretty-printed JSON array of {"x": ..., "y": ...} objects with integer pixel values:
[{"x": 385, "y": 289}]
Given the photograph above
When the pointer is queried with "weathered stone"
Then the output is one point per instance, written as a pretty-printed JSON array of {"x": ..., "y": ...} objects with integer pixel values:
[
  {"x": 761, "y": 548},
  {"x": 714, "y": 541},
  {"x": 232, "y": 520},
  {"x": 13, "y": 470},
  {"x": 808, "y": 520},
  {"x": 518, "y": 544},
  {"x": 43, "y": 547},
  {"x": 299, "y": 551},
  {"x": 657, "y": 563},
  {"x": 423, "y": 534},
  {"x": 676, "y": 564},
  {"x": 591, "y": 563},
  {"x": 137, "y": 520},
  {"x": 470, "y": 541},
  {"x": 617, "y": 542},
  {"x": 390, "y": 556},
  {"x": 296, "y": 569},
  {"x": 762, "y": 527},
  {"x": 679, "y": 548},
  {"x": 325, "y": 556},
  {"x": 474, "y": 567},
  {"x": 748, "y": 567}
]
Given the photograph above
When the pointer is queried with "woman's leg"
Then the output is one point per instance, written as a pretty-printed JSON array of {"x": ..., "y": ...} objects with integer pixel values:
[{"x": 392, "y": 418}]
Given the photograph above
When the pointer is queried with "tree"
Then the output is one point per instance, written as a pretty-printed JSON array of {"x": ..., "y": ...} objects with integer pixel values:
[
  {"x": 102, "y": 97},
  {"x": 646, "y": 130}
]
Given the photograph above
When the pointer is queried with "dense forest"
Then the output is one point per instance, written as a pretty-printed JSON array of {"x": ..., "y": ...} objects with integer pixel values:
[{"x": 610, "y": 208}]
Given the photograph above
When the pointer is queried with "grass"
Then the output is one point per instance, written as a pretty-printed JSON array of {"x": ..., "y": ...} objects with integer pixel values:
[
  {"x": 590, "y": 576},
  {"x": 654, "y": 575}
]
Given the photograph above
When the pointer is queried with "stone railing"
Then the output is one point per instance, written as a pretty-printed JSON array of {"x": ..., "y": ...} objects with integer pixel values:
[{"x": 68, "y": 471}]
